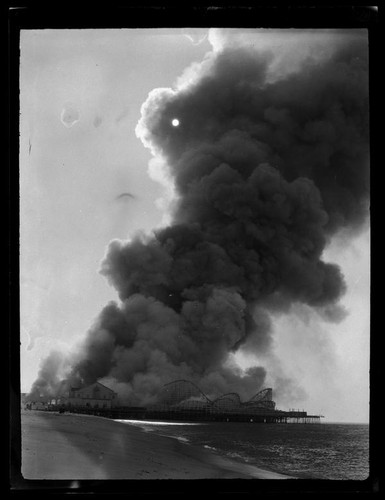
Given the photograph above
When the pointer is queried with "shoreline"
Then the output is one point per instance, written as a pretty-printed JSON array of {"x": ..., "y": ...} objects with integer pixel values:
[
  {"x": 81, "y": 447},
  {"x": 214, "y": 457}
]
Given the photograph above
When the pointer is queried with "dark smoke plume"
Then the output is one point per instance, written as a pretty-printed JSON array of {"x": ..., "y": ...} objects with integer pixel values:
[{"x": 265, "y": 170}]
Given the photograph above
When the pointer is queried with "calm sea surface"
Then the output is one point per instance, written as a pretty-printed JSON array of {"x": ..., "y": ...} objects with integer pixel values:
[{"x": 307, "y": 451}]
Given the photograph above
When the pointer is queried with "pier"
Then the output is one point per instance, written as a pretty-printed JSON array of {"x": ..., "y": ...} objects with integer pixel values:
[
  {"x": 191, "y": 415},
  {"x": 183, "y": 401}
]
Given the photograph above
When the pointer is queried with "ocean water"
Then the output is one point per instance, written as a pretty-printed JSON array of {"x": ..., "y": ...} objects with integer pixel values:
[{"x": 306, "y": 451}]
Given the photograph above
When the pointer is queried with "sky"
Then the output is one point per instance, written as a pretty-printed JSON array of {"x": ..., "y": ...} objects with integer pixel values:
[{"x": 86, "y": 179}]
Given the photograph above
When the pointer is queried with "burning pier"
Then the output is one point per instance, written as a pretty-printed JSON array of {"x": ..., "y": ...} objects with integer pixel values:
[
  {"x": 183, "y": 401},
  {"x": 264, "y": 163}
]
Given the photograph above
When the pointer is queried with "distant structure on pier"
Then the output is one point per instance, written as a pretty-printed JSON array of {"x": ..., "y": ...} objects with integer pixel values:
[
  {"x": 95, "y": 395},
  {"x": 185, "y": 395},
  {"x": 184, "y": 400}
]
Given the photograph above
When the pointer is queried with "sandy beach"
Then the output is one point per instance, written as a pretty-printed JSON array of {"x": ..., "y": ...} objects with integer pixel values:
[{"x": 70, "y": 446}]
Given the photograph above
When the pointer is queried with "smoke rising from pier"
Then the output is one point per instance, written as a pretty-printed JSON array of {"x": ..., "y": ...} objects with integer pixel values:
[{"x": 266, "y": 166}]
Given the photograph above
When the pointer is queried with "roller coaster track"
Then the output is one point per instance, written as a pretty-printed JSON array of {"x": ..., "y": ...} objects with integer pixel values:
[
  {"x": 180, "y": 390},
  {"x": 174, "y": 393},
  {"x": 264, "y": 395}
]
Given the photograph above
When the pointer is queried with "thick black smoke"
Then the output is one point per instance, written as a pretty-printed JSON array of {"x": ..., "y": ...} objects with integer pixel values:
[{"x": 265, "y": 171}]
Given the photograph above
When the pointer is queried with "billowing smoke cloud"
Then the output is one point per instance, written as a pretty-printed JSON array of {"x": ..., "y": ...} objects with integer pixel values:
[
  {"x": 266, "y": 166},
  {"x": 51, "y": 379}
]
